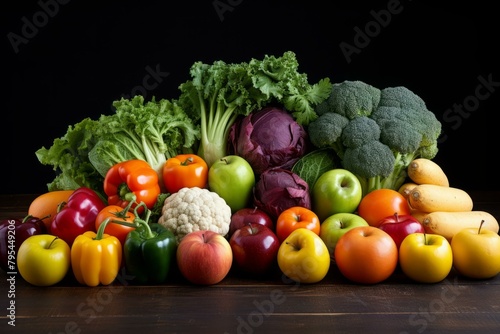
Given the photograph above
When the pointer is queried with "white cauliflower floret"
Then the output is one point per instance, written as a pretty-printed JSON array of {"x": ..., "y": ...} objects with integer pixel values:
[{"x": 194, "y": 209}]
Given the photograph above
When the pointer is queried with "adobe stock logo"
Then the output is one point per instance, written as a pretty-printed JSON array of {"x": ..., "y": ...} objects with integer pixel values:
[
  {"x": 40, "y": 19},
  {"x": 150, "y": 81},
  {"x": 222, "y": 6},
  {"x": 362, "y": 38}
]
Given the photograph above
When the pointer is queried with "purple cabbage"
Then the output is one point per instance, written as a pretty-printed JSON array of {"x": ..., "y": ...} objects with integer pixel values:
[
  {"x": 279, "y": 189},
  {"x": 268, "y": 138}
]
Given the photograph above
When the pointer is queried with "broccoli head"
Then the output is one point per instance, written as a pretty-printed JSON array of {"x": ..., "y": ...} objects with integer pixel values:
[{"x": 386, "y": 129}]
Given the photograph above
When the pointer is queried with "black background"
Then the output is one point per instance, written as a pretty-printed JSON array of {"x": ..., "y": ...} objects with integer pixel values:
[{"x": 82, "y": 57}]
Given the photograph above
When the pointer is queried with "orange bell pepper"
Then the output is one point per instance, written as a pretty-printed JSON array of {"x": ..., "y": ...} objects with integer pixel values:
[
  {"x": 185, "y": 170},
  {"x": 132, "y": 180}
]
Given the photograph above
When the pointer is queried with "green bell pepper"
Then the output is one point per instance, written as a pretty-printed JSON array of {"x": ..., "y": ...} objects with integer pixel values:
[{"x": 149, "y": 251}]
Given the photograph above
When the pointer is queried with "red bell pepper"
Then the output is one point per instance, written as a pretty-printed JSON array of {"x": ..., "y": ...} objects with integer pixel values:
[
  {"x": 132, "y": 180},
  {"x": 77, "y": 215},
  {"x": 12, "y": 234}
]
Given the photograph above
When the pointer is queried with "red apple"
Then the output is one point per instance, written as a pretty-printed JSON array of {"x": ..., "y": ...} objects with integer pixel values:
[
  {"x": 204, "y": 257},
  {"x": 255, "y": 248},
  {"x": 399, "y": 226},
  {"x": 246, "y": 216}
]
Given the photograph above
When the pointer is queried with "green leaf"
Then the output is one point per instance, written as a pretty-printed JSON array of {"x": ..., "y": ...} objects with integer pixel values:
[{"x": 312, "y": 165}]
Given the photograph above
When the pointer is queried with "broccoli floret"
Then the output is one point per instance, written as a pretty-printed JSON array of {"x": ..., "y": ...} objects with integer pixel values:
[
  {"x": 326, "y": 131},
  {"x": 407, "y": 125},
  {"x": 430, "y": 151},
  {"x": 431, "y": 130},
  {"x": 350, "y": 99},
  {"x": 373, "y": 163},
  {"x": 400, "y": 97},
  {"x": 386, "y": 130},
  {"x": 359, "y": 131},
  {"x": 394, "y": 123}
]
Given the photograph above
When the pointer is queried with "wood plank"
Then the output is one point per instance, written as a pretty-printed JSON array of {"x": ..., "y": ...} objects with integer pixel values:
[
  {"x": 241, "y": 304},
  {"x": 268, "y": 307}
]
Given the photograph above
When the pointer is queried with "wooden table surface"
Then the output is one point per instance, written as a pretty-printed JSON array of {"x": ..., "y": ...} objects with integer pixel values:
[{"x": 244, "y": 305}]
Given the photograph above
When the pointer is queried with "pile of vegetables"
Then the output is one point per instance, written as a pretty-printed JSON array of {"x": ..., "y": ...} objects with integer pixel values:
[
  {"x": 140, "y": 177},
  {"x": 198, "y": 120},
  {"x": 264, "y": 110}
]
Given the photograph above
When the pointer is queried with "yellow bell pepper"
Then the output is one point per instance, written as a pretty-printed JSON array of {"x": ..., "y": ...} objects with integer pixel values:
[{"x": 96, "y": 258}]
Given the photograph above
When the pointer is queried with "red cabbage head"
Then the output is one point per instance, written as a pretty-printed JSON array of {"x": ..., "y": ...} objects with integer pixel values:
[
  {"x": 279, "y": 189},
  {"x": 268, "y": 138}
]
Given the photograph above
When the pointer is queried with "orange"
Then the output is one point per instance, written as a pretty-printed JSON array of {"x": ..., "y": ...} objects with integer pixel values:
[
  {"x": 46, "y": 205},
  {"x": 366, "y": 255}
]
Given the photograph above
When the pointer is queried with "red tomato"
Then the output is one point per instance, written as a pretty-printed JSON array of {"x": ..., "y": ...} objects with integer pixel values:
[
  {"x": 382, "y": 203},
  {"x": 294, "y": 218}
]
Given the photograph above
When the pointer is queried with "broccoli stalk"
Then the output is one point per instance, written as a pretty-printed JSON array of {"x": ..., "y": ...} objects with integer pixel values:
[
  {"x": 393, "y": 181},
  {"x": 217, "y": 94}
]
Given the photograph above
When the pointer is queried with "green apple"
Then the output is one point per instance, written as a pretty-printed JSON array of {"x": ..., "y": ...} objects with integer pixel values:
[
  {"x": 476, "y": 252},
  {"x": 233, "y": 179},
  {"x": 425, "y": 257},
  {"x": 43, "y": 259},
  {"x": 336, "y": 191},
  {"x": 303, "y": 257},
  {"x": 335, "y": 226}
]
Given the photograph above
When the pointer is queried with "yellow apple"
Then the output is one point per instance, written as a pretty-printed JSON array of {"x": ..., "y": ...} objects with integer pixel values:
[
  {"x": 303, "y": 256},
  {"x": 476, "y": 252},
  {"x": 425, "y": 258},
  {"x": 43, "y": 259}
]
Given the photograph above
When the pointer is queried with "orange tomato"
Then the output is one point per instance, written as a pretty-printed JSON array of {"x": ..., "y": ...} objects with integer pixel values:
[
  {"x": 381, "y": 203},
  {"x": 115, "y": 212},
  {"x": 366, "y": 255},
  {"x": 47, "y": 205},
  {"x": 294, "y": 218}
]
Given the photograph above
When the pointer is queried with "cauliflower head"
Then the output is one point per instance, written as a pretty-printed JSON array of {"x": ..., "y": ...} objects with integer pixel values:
[{"x": 194, "y": 209}]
